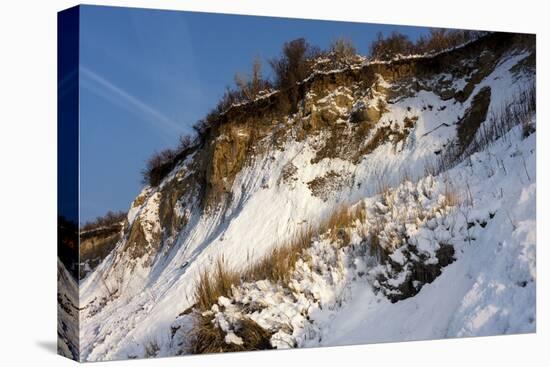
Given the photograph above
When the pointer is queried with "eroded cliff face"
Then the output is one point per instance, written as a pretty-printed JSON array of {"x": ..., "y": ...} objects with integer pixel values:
[
  {"x": 96, "y": 244},
  {"x": 332, "y": 149},
  {"x": 342, "y": 108}
]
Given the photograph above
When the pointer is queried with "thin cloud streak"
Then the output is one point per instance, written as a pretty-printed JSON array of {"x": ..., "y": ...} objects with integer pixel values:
[{"x": 166, "y": 123}]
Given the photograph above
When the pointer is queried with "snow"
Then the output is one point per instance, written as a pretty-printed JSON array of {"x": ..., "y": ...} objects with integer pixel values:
[
  {"x": 150, "y": 217},
  {"x": 335, "y": 297},
  {"x": 297, "y": 314},
  {"x": 231, "y": 338},
  {"x": 488, "y": 290}
]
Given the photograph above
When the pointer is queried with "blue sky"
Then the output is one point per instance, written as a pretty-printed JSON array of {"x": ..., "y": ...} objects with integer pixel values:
[{"x": 146, "y": 76}]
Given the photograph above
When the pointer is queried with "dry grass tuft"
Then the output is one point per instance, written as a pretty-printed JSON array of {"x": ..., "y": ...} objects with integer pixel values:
[
  {"x": 339, "y": 223},
  {"x": 210, "y": 287},
  {"x": 341, "y": 217},
  {"x": 452, "y": 197},
  {"x": 206, "y": 337},
  {"x": 276, "y": 266}
]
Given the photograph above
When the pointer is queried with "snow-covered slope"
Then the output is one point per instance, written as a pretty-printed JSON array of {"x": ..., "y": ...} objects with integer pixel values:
[
  {"x": 489, "y": 289},
  {"x": 370, "y": 137},
  {"x": 67, "y": 313}
]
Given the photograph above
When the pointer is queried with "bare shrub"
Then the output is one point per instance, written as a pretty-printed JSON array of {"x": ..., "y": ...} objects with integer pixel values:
[
  {"x": 249, "y": 87},
  {"x": 386, "y": 48},
  {"x": 438, "y": 39},
  {"x": 294, "y": 63},
  {"x": 184, "y": 142},
  {"x": 292, "y": 66},
  {"x": 158, "y": 166},
  {"x": 202, "y": 126},
  {"x": 343, "y": 50},
  {"x": 109, "y": 219}
]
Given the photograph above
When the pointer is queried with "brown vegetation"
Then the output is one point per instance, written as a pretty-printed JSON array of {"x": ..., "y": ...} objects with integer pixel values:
[
  {"x": 208, "y": 338},
  {"x": 247, "y": 88},
  {"x": 276, "y": 266},
  {"x": 292, "y": 66},
  {"x": 160, "y": 164},
  {"x": 452, "y": 197},
  {"x": 109, "y": 219},
  {"x": 398, "y": 44},
  {"x": 440, "y": 39},
  {"x": 67, "y": 244},
  {"x": 386, "y": 48},
  {"x": 342, "y": 51},
  {"x": 212, "y": 285},
  {"x": 296, "y": 62}
]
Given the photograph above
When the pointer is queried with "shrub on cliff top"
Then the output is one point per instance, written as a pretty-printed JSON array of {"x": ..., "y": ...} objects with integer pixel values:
[
  {"x": 108, "y": 219},
  {"x": 292, "y": 66},
  {"x": 161, "y": 163},
  {"x": 386, "y": 48},
  {"x": 250, "y": 86},
  {"x": 438, "y": 39},
  {"x": 343, "y": 50}
]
